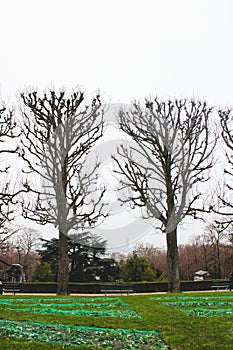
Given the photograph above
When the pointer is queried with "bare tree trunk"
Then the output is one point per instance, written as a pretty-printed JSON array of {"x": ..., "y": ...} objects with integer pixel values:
[
  {"x": 173, "y": 262},
  {"x": 205, "y": 257},
  {"x": 218, "y": 260},
  {"x": 63, "y": 266}
]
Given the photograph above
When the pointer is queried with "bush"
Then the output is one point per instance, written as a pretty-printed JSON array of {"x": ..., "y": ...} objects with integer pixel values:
[
  {"x": 43, "y": 273},
  {"x": 136, "y": 269}
]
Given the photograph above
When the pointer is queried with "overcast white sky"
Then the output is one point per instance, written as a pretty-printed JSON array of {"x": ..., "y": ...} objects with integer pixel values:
[{"x": 126, "y": 48}]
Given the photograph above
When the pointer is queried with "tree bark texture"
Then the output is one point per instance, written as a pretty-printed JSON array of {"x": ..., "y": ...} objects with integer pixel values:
[
  {"x": 173, "y": 262},
  {"x": 63, "y": 266}
]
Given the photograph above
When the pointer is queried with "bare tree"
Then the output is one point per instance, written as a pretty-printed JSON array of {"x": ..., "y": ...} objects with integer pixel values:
[
  {"x": 9, "y": 132},
  {"x": 28, "y": 239},
  {"x": 214, "y": 236},
  {"x": 187, "y": 259},
  {"x": 225, "y": 207},
  {"x": 152, "y": 254},
  {"x": 27, "y": 243},
  {"x": 172, "y": 154},
  {"x": 57, "y": 134}
]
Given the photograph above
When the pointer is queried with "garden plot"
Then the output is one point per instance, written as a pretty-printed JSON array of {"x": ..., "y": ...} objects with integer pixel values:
[
  {"x": 201, "y": 306},
  {"x": 73, "y": 335},
  {"x": 71, "y": 307}
]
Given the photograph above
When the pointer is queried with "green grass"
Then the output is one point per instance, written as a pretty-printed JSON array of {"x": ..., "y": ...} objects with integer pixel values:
[{"x": 179, "y": 330}]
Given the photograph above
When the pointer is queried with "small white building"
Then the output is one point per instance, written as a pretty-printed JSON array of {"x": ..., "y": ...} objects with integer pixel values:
[{"x": 201, "y": 275}]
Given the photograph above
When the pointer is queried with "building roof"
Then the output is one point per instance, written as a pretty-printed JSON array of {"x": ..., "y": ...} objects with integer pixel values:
[{"x": 201, "y": 273}]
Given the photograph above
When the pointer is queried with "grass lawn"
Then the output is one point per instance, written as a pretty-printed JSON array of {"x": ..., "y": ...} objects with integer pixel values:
[{"x": 163, "y": 321}]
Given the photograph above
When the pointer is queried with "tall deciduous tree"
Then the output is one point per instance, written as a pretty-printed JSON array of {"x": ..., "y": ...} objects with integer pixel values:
[
  {"x": 57, "y": 134},
  {"x": 172, "y": 153},
  {"x": 215, "y": 235},
  {"x": 8, "y": 132},
  {"x": 29, "y": 239},
  {"x": 226, "y": 196}
]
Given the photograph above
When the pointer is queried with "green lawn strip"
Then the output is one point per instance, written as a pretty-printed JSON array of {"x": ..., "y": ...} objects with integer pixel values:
[
  {"x": 74, "y": 335},
  {"x": 190, "y": 297},
  {"x": 78, "y": 303},
  {"x": 56, "y": 299},
  {"x": 86, "y": 305},
  {"x": 66, "y": 306},
  {"x": 209, "y": 312},
  {"x": 78, "y": 312},
  {"x": 181, "y": 304}
]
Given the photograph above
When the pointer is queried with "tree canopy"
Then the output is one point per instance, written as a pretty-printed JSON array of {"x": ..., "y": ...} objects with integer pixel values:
[
  {"x": 58, "y": 131},
  {"x": 172, "y": 152}
]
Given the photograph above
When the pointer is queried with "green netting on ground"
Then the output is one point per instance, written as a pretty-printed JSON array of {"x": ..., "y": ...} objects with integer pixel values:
[
  {"x": 117, "y": 304},
  {"x": 195, "y": 297},
  {"x": 209, "y": 312},
  {"x": 198, "y": 303},
  {"x": 4, "y": 300},
  {"x": 193, "y": 304},
  {"x": 109, "y": 339},
  {"x": 92, "y": 313}
]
